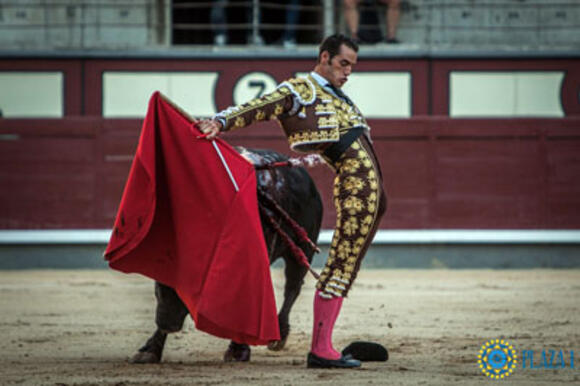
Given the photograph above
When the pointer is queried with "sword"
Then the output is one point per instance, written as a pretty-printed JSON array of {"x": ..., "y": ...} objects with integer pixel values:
[
  {"x": 219, "y": 152},
  {"x": 221, "y": 156}
]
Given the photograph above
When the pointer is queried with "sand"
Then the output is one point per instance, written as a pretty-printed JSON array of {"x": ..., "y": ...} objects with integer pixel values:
[{"x": 80, "y": 327}]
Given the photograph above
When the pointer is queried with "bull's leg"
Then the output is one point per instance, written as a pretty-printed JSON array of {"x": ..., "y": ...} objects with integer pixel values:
[
  {"x": 294, "y": 279},
  {"x": 152, "y": 350},
  {"x": 237, "y": 352},
  {"x": 169, "y": 317}
]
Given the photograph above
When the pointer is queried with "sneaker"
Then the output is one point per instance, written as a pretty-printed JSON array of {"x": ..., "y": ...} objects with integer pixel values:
[
  {"x": 219, "y": 40},
  {"x": 393, "y": 41},
  {"x": 289, "y": 43},
  {"x": 257, "y": 41}
]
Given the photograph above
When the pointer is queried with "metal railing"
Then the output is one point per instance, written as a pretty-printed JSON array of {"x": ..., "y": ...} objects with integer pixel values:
[{"x": 423, "y": 22}]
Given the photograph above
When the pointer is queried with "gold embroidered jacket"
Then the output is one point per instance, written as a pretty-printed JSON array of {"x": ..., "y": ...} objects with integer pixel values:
[{"x": 311, "y": 117}]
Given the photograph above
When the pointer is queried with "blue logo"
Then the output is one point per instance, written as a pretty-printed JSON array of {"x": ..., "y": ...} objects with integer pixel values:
[
  {"x": 547, "y": 359},
  {"x": 497, "y": 359}
]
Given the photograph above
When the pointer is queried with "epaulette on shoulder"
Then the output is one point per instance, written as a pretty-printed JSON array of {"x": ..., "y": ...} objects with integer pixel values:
[{"x": 302, "y": 88}]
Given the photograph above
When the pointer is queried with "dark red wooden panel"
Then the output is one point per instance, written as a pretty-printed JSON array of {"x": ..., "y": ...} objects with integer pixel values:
[
  {"x": 563, "y": 188},
  {"x": 406, "y": 175},
  {"x": 47, "y": 175},
  {"x": 487, "y": 183},
  {"x": 438, "y": 172}
]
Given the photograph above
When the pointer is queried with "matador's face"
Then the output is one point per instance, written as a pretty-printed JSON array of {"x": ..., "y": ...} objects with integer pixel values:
[{"x": 337, "y": 69}]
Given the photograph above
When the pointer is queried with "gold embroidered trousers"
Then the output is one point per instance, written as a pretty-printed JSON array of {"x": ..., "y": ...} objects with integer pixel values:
[{"x": 360, "y": 203}]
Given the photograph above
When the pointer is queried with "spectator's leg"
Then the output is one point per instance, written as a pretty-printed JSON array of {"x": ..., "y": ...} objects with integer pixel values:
[
  {"x": 352, "y": 17},
  {"x": 218, "y": 21},
  {"x": 392, "y": 17},
  {"x": 292, "y": 13}
]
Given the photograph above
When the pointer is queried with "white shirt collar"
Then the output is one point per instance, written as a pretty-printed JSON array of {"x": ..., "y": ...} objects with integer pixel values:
[
  {"x": 324, "y": 83},
  {"x": 319, "y": 79}
]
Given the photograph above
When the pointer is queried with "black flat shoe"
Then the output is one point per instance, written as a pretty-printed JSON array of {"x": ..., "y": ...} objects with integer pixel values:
[{"x": 345, "y": 362}]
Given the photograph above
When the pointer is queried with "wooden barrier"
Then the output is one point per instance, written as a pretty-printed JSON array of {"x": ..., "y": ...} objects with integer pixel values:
[{"x": 439, "y": 172}]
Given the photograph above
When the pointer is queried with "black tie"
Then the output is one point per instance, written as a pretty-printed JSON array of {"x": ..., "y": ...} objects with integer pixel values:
[{"x": 340, "y": 94}]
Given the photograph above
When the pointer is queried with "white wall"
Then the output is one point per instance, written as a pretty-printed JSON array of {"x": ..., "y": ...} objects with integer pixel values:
[
  {"x": 126, "y": 94},
  {"x": 31, "y": 94},
  {"x": 505, "y": 94}
]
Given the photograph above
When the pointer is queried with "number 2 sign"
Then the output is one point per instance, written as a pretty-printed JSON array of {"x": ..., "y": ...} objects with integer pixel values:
[{"x": 253, "y": 85}]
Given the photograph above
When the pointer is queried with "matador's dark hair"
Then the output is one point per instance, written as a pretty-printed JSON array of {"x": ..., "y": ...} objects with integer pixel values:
[{"x": 333, "y": 42}]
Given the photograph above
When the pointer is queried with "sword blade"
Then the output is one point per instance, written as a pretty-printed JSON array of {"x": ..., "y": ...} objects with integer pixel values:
[{"x": 218, "y": 151}]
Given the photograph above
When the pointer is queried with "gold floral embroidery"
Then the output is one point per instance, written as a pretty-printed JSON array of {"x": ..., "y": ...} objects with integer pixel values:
[
  {"x": 336, "y": 190},
  {"x": 324, "y": 108},
  {"x": 327, "y": 121},
  {"x": 351, "y": 260},
  {"x": 232, "y": 115},
  {"x": 366, "y": 225},
  {"x": 240, "y": 122},
  {"x": 302, "y": 88},
  {"x": 355, "y": 217},
  {"x": 350, "y": 165},
  {"x": 334, "y": 242},
  {"x": 364, "y": 230},
  {"x": 347, "y": 116},
  {"x": 260, "y": 115},
  {"x": 368, "y": 220},
  {"x": 278, "y": 109},
  {"x": 372, "y": 202},
  {"x": 306, "y": 137},
  {"x": 344, "y": 249},
  {"x": 350, "y": 226},
  {"x": 353, "y": 184},
  {"x": 353, "y": 205}
]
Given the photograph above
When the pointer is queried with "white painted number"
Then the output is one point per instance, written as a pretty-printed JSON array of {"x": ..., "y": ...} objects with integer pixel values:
[{"x": 253, "y": 85}]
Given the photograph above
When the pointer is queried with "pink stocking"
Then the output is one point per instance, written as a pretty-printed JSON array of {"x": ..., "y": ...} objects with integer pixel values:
[{"x": 325, "y": 314}]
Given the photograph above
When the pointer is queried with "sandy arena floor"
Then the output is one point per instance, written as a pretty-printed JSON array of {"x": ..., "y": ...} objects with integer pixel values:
[{"x": 80, "y": 327}]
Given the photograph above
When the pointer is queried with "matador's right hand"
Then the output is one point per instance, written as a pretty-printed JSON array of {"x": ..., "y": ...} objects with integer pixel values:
[{"x": 210, "y": 127}]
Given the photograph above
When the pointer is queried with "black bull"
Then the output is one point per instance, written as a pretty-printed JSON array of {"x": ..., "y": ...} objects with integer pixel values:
[{"x": 296, "y": 193}]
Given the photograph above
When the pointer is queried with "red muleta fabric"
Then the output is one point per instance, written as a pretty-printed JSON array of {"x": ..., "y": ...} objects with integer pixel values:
[{"x": 182, "y": 223}]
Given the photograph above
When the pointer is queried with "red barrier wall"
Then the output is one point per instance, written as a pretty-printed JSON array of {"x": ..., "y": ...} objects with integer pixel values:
[{"x": 439, "y": 172}]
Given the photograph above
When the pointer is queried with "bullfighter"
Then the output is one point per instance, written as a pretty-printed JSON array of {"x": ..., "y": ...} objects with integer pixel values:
[{"x": 317, "y": 117}]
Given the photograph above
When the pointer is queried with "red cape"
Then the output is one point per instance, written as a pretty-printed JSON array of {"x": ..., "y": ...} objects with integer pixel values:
[{"x": 182, "y": 223}]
